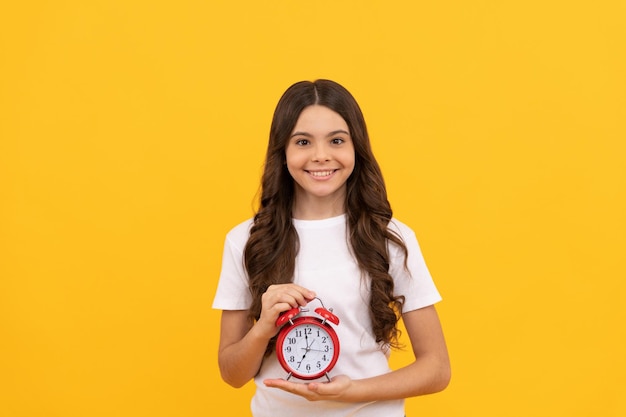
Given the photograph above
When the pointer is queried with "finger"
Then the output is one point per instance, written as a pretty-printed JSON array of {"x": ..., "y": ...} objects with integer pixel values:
[
  {"x": 318, "y": 388},
  {"x": 282, "y": 384},
  {"x": 294, "y": 290},
  {"x": 305, "y": 292},
  {"x": 291, "y": 294},
  {"x": 278, "y": 303}
]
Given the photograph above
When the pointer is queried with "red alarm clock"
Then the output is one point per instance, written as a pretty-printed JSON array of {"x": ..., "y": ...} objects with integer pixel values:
[{"x": 307, "y": 347}]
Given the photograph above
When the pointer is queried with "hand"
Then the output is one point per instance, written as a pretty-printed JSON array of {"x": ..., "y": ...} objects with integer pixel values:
[
  {"x": 280, "y": 298},
  {"x": 336, "y": 389}
]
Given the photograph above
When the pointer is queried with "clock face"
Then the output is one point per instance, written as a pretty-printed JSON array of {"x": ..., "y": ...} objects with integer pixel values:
[{"x": 307, "y": 349}]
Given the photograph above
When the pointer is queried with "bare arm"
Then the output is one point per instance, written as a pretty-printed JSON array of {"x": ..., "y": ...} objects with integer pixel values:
[
  {"x": 429, "y": 373},
  {"x": 243, "y": 344},
  {"x": 241, "y": 349}
]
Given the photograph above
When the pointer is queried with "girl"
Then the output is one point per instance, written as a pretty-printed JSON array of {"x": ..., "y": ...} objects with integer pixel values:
[{"x": 325, "y": 229}]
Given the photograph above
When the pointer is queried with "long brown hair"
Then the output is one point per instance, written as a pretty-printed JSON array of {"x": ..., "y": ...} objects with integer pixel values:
[{"x": 272, "y": 247}]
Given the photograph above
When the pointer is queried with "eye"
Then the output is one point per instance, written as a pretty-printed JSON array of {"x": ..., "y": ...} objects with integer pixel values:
[
  {"x": 302, "y": 142},
  {"x": 337, "y": 141}
]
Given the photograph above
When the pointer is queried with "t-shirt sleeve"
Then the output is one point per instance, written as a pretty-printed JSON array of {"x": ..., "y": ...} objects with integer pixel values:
[
  {"x": 232, "y": 289},
  {"x": 415, "y": 282}
]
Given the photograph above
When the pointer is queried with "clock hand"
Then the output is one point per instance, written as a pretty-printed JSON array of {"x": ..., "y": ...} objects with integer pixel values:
[
  {"x": 306, "y": 350},
  {"x": 303, "y": 356},
  {"x": 314, "y": 350},
  {"x": 306, "y": 340}
]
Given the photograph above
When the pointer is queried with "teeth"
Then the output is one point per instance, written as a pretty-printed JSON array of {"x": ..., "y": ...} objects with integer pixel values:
[{"x": 321, "y": 173}]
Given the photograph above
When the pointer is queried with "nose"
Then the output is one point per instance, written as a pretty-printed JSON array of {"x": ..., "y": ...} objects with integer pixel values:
[{"x": 321, "y": 153}]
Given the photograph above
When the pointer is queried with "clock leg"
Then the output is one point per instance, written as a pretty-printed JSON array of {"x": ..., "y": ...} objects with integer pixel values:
[
  {"x": 288, "y": 376},
  {"x": 327, "y": 377}
]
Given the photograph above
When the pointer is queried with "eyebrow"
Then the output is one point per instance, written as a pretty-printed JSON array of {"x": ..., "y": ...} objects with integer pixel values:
[{"x": 334, "y": 132}]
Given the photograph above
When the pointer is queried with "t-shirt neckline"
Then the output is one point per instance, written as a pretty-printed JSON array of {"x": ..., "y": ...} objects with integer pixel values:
[{"x": 316, "y": 224}]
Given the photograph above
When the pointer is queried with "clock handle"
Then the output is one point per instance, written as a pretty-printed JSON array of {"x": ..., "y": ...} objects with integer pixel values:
[{"x": 287, "y": 316}]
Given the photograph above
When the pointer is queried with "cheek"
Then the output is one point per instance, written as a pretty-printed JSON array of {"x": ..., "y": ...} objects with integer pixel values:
[
  {"x": 293, "y": 170},
  {"x": 290, "y": 172},
  {"x": 295, "y": 160},
  {"x": 349, "y": 161}
]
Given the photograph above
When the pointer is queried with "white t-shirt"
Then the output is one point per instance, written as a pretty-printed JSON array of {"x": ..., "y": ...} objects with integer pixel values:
[{"x": 325, "y": 265}]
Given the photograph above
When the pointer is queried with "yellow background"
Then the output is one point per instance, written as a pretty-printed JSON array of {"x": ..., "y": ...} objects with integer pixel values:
[{"x": 132, "y": 136}]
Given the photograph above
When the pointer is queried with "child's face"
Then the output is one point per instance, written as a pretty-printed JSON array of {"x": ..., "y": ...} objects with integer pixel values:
[{"x": 320, "y": 156}]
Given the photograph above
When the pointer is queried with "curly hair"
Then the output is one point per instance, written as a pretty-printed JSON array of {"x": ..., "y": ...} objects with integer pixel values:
[{"x": 269, "y": 255}]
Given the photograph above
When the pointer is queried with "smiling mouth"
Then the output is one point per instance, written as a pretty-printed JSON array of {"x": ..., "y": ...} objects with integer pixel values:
[{"x": 322, "y": 174}]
